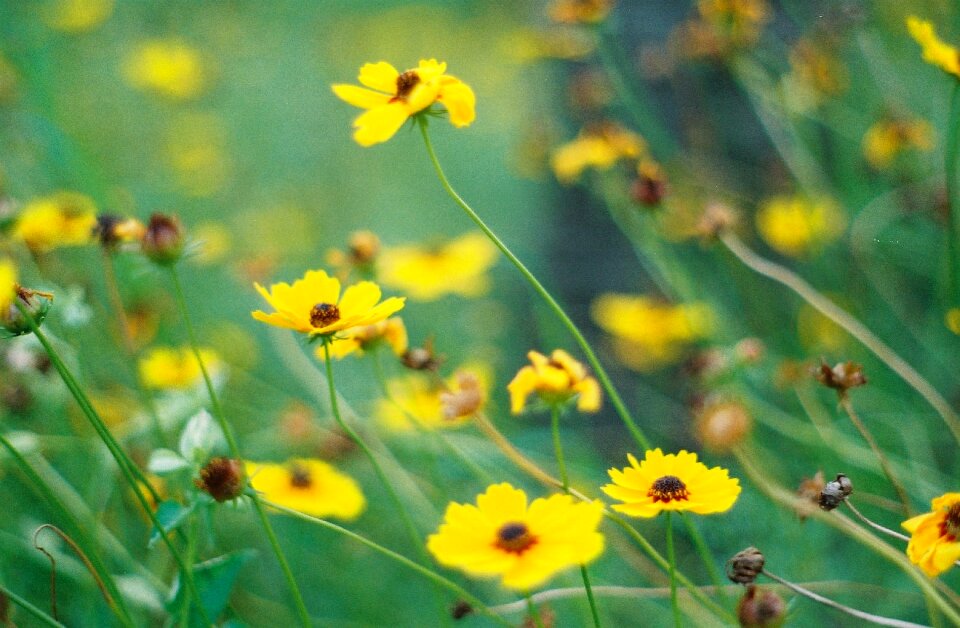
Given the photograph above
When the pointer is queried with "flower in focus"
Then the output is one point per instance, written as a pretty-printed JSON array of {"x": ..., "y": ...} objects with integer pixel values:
[
  {"x": 555, "y": 380},
  {"x": 61, "y": 219},
  {"x": 648, "y": 333},
  {"x": 419, "y": 399},
  {"x": 400, "y": 95},
  {"x": 524, "y": 544},
  {"x": 889, "y": 138},
  {"x": 458, "y": 266},
  {"x": 169, "y": 67},
  {"x": 671, "y": 482},
  {"x": 579, "y": 11},
  {"x": 8, "y": 284},
  {"x": 934, "y": 544},
  {"x": 309, "y": 486},
  {"x": 359, "y": 339},
  {"x": 313, "y": 305},
  {"x": 795, "y": 226},
  {"x": 599, "y": 147},
  {"x": 75, "y": 16},
  {"x": 166, "y": 368},
  {"x": 935, "y": 51}
]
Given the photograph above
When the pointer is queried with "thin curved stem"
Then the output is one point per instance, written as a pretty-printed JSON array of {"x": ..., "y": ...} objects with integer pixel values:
[
  {"x": 701, "y": 545},
  {"x": 37, "y": 614},
  {"x": 567, "y": 322},
  {"x": 235, "y": 451},
  {"x": 672, "y": 557},
  {"x": 874, "y": 525}
]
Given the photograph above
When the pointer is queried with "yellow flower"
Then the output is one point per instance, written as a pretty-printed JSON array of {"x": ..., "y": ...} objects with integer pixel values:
[
  {"x": 309, "y": 486},
  {"x": 556, "y": 379},
  {"x": 74, "y": 16},
  {"x": 164, "y": 367},
  {"x": 170, "y": 67},
  {"x": 648, "y": 333},
  {"x": 406, "y": 94},
  {"x": 313, "y": 305},
  {"x": 796, "y": 226},
  {"x": 671, "y": 482},
  {"x": 597, "y": 147},
  {"x": 359, "y": 339},
  {"x": 934, "y": 544},
  {"x": 458, "y": 266},
  {"x": 887, "y": 139},
  {"x": 524, "y": 544},
  {"x": 419, "y": 398},
  {"x": 935, "y": 51},
  {"x": 579, "y": 11},
  {"x": 61, "y": 219},
  {"x": 951, "y": 319},
  {"x": 8, "y": 285},
  {"x": 739, "y": 21}
]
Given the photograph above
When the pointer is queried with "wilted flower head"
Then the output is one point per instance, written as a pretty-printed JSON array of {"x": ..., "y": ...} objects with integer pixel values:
[
  {"x": 599, "y": 146},
  {"x": 418, "y": 399},
  {"x": 796, "y": 226},
  {"x": 935, "y": 51},
  {"x": 556, "y": 380},
  {"x": 426, "y": 273},
  {"x": 935, "y": 536},
  {"x": 834, "y": 492},
  {"x": 222, "y": 479},
  {"x": 745, "y": 566},
  {"x": 168, "y": 67},
  {"x": 61, "y": 219},
  {"x": 842, "y": 377},
  {"x": 465, "y": 398}
]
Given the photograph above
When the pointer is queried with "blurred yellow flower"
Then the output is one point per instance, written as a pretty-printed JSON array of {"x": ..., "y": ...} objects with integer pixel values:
[
  {"x": 8, "y": 284},
  {"x": 74, "y": 16},
  {"x": 579, "y": 11},
  {"x": 363, "y": 248},
  {"x": 796, "y": 226},
  {"x": 61, "y": 219},
  {"x": 166, "y": 367},
  {"x": 313, "y": 305},
  {"x": 738, "y": 20},
  {"x": 406, "y": 94},
  {"x": 934, "y": 544},
  {"x": 391, "y": 331},
  {"x": 647, "y": 333},
  {"x": 196, "y": 151},
  {"x": 213, "y": 240},
  {"x": 555, "y": 380},
  {"x": 952, "y": 320},
  {"x": 887, "y": 139},
  {"x": 169, "y": 67},
  {"x": 426, "y": 273},
  {"x": 598, "y": 147},
  {"x": 935, "y": 51},
  {"x": 309, "y": 486},
  {"x": 671, "y": 482},
  {"x": 419, "y": 398},
  {"x": 524, "y": 544}
]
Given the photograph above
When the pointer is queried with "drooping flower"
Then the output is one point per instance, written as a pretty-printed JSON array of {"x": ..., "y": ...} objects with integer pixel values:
[
  {"x": 61, "y": 219},
  {"x": 309, "y": 486},
  {"x": 935, "y": 536},
  {"x": 555, "y": 380},
  {"x": 395, "y": 96},
  {"x": 524, "y": 544},
  {"x": 426, "y": 273},
  {"x": 671, "y": 482},
  {"x": 169, "y": 67},
  {"x": 8, "y": 284},
  {"x": 418, "y": 399},
  {"x": 600, "y": 146},
  {"x": 357, "y": 340},
  {"x": 175, "y": 368},
  {"x": 889, "y": 138},
  {"x": 935, "y": 50},
  {"x": 796, "y": 226},
  {"x": 314, "y": 305}
]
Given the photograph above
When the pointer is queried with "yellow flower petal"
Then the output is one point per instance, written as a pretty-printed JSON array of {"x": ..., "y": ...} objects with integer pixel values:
[
  {"x": 380, "y": 76},
  {"x": 379, "y": 124},
  {"x": 360, "y": 97},
  {"x": 310, "y": 486},
  {"x": 459, "y": 100}
]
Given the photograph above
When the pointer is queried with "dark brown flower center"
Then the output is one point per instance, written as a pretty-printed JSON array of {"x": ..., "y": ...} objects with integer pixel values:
[
  {"x": 300, "y": 477},
  {"x": 324, "y": 314},
  {"x": 405, "y": 83},
  {"x": 667, "y": 489},
  {"x": 515, "y": 538},
  {"x": 951, "y": 523}
]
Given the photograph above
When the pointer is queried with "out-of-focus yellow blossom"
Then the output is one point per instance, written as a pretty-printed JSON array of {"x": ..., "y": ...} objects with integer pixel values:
[
  {"x": 598, "y": 147},
  {"x": 524, "y": 544},
  {"x": 8, "y": 80},
  {"x": 169, "y": 67},
  {"x": 213, "y": 240},
  {"x": 363, "y": 248},
  {"x": 555, "y": 380},
  {"x": 166, "y": 367},
  {"x": 934, "y": 544},
  {"x": 579, "y": 11},
  {"x": 313, "y": 305},
  {"x": 75, "y": 16},
  {"x": 8, "y": 284},
  {"x": 418, "y": 397},
  {"x": 114, "y": 231},
  {"x": 115, "y": 407},
  {"x": 391, "y": 331},
  {"x": 952, "y": 320},
  {"x": 400, "y": 95},
  {"x": 935, "y": 51},
  {"x": 648, "y": 333},
  {"x": 61, "y": 219},
  {"x": 721, "y": 27},
  {"x": 816, "y": 74},
  {"x": 309, "y": 486},
  {"x": 889, "y": 138},
  {"x": 426, "y": 273},
  {"x": 796, "y": 226},
  {"x": 529, "y": 45},
  {"x": 197, "y": 153},
  {"x": 817, "y": 333}
]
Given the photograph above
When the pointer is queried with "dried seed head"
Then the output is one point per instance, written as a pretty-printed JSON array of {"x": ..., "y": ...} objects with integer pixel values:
[
  {"x": 760, "y": 608},
  {"x": 835, "y": 491},
  {"x": 222, "y": 478},
  {"x": 745, "y": 566},
  {"x": 842, "y": 377},
  {"x": 163, "y": 239},
  {"x": 422, "y": 358},
  {"x": 465, "y": 400},
  {"x": 716, "y": 219}
]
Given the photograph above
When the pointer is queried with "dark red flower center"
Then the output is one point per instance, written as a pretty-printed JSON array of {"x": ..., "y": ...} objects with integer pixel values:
[
  {"x": 515, "y": 538},
  {"x": 300, "y": 477},
  {"x": 951, "y": 522},
  {"x": 405, "y": 84},
  {"x": 323, "y": 314},
  {"x": 667, "y": 489}
]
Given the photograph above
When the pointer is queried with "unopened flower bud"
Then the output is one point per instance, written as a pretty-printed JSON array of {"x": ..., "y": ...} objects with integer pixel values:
[
  {"x": 222, "y": 478},
  {"x": 163, "y": 240},
  {"x": 835, "y": 491},
  {"x": 35, "y": 304},
  {"x": 760, "y": 608},
  {"x": 842, "y": 377},
  {"x": 745, "y": 566}
]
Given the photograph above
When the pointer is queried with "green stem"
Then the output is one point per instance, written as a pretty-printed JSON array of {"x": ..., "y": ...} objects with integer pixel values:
[
  {"x": 400, "y": 558},
  {"x": 594, "y": 611},
  {"x": 235, "y": 451},
  {"x": 671, "y": 556},
  {"x": 533, "y": 612},
  {"x": 705, "y": 555},
  {"x": 45, "y": 619},
  {"x": 605, "y": 381},
  {"x": 130, "y": 472},
  {"x": 953, "y": 199}
]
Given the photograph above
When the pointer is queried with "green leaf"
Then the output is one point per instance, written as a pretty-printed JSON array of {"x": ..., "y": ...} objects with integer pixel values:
[
  {"x": 214, "y": 579},
  {"x": 170, "y": 514}
]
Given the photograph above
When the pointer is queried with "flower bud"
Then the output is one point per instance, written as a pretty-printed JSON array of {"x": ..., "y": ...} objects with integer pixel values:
[
  {"x": 745, "y": 566},
  {"x": 36, "y": 305},
  {"x": 222, "y": 478},
  {"x": 163, "y": 240},
  {"x": 760, "y": 608},
  {"x": 835, "y": 491}
]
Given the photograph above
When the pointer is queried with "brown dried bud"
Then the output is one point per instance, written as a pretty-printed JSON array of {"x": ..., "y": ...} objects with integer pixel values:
[
  {"x": 809, "y": 491},
  {"x": 721, "y": 426},
  {"x": 461, "y": 609},
  {"x": 834, "y": 492},
  {"x": 422, "y": 358},
  {"x": 465, "y": 399},
  {"x": 842, "y": 377},
  {"x": 222, "y": 478},
  {"x": 716, "y": 219},
  {"x": 650, "y": 186},
  {"x": 364, "y": 247},
  {"x": 760, "y": 608},
  {"x": 163, "y": 240},
  {"x": 745, "y": 566}
]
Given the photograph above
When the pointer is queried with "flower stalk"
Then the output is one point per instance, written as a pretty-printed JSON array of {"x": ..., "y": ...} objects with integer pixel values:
[{"x": 672, "y": 558}]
